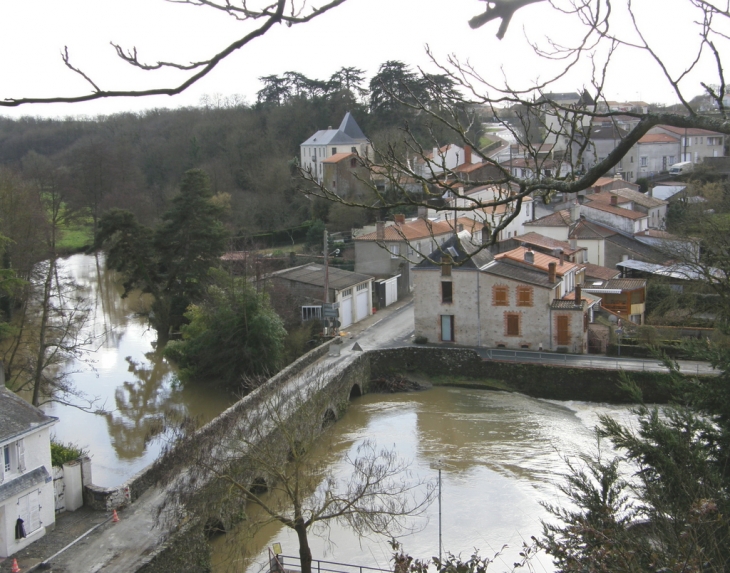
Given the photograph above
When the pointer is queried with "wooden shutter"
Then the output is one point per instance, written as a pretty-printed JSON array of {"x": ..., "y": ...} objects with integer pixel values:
[
  {"x": 563, "y": 330},
  {"x": 513, "y": 325},
  {"x": 500, "y": 296},
  {"x": 20, "y": 444}
]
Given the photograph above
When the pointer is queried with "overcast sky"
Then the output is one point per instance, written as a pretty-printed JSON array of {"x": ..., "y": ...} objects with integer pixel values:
[{"x": 360, "y": 33}]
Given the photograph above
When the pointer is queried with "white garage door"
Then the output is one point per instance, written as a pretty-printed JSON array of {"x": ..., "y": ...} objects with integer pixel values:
[
  {"x": 362, "y": 304},
  {"x": 346, "y": 312},
  {"x": 391, "y": 290}
]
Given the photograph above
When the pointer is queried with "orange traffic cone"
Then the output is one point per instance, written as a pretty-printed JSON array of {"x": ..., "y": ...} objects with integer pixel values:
[
  {"x": 115, "y": 517},
  {"x": 15, "y": 568}
]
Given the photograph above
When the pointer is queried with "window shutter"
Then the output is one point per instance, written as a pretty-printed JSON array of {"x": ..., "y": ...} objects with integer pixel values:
[
  {"x": 20, "y": 444},
  {"x": 2, "y": 463},
  {"x": 34, "y": 510}
]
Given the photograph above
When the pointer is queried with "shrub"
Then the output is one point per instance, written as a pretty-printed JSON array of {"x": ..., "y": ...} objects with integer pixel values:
[
  {"x": 420, "y": 339},
  {"x": 62, "y": 453}
]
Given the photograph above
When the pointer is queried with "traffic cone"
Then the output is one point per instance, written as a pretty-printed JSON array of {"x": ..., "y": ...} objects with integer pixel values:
[
  {"x": 115, "y": 517},
  {"x": 15, "y": 568}
]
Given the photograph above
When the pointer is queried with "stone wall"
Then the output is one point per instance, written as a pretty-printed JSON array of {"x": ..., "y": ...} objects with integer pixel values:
[{"x": 467, "y": 368}]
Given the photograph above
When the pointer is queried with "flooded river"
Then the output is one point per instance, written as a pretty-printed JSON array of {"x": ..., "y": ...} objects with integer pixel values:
[
  {"x": 130, "y": 381},
  {"x": 503, "y": 455}
]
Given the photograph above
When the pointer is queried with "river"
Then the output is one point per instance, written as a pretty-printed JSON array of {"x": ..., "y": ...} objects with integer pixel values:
[
  {"x": 503, "y": 455},
  {"x": 126, "y": 376}
]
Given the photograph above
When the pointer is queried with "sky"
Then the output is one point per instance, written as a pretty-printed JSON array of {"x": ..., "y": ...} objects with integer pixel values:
[{"x": 360, "y": 33}]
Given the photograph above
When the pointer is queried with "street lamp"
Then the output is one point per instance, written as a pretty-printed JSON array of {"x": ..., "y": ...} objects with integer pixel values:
[{"x": 439, "y": 465}]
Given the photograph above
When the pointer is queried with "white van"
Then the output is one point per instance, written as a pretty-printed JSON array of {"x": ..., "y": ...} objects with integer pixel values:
[{"x": 680, "y": 168}]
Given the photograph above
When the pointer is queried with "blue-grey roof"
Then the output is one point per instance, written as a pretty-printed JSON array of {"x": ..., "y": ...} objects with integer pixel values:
[
  {"x": 519, "y": 273},
  {"x": 17, "y": 417},
  {"x": 463, "y": 253},
  {"x": 24, "y": 482},
  {"x": 349, "y": 133}
]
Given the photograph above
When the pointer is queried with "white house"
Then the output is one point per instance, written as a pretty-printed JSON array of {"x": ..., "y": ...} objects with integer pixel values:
[
  {"x": 26, "y": 484},
  {"x": 653, "y": 207},
  {"x": 348, "y": 138}
]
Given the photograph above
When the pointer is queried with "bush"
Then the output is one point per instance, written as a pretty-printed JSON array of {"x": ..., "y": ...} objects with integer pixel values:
[
  {"x": 420, "y": 339},
  {"x": 62, "y": 453}
]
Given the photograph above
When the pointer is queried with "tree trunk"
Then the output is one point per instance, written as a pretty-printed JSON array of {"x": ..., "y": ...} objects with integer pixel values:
[
  {"x": 305, "y": 553},
  {"x": 41, "y": 357}
]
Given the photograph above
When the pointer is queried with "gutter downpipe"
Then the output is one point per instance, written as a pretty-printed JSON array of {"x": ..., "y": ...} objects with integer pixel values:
[
  {"x": 550, "y": 324},
  {"x": 479, "y": 313}
]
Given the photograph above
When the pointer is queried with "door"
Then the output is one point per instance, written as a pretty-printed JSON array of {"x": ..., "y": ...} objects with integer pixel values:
[
  {"x": 563, "y": 331},
  {"x": 362, "y": 304},
  {"x": 346, "y": 312},
  {"x": 447, "y": 328}
]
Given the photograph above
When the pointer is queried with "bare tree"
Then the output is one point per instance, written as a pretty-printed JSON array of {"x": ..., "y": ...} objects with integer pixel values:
[
  {"x": 276, "y": 454},
  {"x": 535, "y": 116},
  {"x": 256, "y": 16}
]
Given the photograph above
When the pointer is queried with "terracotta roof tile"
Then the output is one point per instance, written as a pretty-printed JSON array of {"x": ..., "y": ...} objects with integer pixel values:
[
  {"x": 620, "y": 211},
  {"x": 541, "y": 260}
]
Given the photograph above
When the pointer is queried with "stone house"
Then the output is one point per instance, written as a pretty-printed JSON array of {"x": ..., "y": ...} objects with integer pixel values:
[
  {"x": 27, "y": 507},
  {"x": 348, "y": 138},
  {"x": 518, "y": 299},
  {"x": 611, "y": 214},
  {"x": 693, "y": 144},
  {"x": 653, "y": 207},
  {"x": 346, "y": 175},
  {"x": 393, "y": 250}
]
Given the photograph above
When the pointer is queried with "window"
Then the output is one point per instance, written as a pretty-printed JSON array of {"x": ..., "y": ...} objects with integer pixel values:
[
  {"x": 353, "y": 149},
  {"x": 447, "y": 292},
  {"x": 714, "y": 141},
  {"x": 632, "y": 159},
  {"x": 445, "y": 270},
  {"x": 512, "y": 326},
  {"x": 334, "y": 150},
  {"x": 394, "y": 251},
  {"x": 346, "y": 293},
  {"x": 447, "y": 328},
  {"x": 29, "y": 510},
  {"x": 311, "y": 313},
  {"x": 353, "y": 163},
  {"x": 643, "y": 161},
  {"x": 500, "y": 296},
  {"x": 13, "y": 458},
  {"x": 334, "y": 184},
  {"x": 563, "y": 331},
  {"x": 6, "y": 458},
  {"x": 524, "y": 296}
]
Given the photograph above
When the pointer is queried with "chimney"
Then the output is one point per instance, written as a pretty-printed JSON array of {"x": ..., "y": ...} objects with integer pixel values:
[
  {"x": 460, "y": 227},
  {"x": 614, "y": 200},
  {"x": 422, "y": 212},
  {"x": 575, "y": 212},
  {"x": 529, "y": 257},
  {"x": 551, "y": 272},
  {"x": 578, "y": 292},
  {"x": 380, "y": 230},
  {"x": 486, "y": 235},
  {"x": 617, "y": 176},
  {"x": 435, "y": 156},
  {"x": 467, "y": 155},
  {"x": 558, "y": 252},
  {"x": 399, "y": 218}
]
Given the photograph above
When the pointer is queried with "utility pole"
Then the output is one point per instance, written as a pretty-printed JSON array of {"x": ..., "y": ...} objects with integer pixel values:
[{"x": 326, "y": 270}]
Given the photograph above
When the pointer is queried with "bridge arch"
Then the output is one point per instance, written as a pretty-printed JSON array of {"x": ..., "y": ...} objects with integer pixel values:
[
  {"x": 355, "y": 391},
  {"x": 329, "y": 418}
]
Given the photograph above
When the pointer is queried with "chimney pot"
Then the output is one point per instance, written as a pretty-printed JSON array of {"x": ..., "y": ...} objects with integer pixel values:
[
  {"x": 400, "y": 218},
  {"x": 380, "y": 230},
  {"x": 467, "y": 154},
  {"x": 529, "y": 256},
  {"x": 614, "y": 200},
  {"x": 578, "y": 295}
]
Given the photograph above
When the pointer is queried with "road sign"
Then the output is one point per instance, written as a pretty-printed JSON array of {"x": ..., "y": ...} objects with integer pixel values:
[{"x": 331, "y": 310}]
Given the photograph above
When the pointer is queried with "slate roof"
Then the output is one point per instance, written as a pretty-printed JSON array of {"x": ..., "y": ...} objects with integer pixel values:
[
  {"x": 642, "y": 249},
  {"x": 348, "y": 133},
  {"x": 589, "y": 230},
  {"x": 608, "y": 132},
  {"x": 23, "y": 483},
  {"x": 519, "y": 273},
  {"x": 17, "y": 417},
  {"x": 557, "y": 219},
  {"x": 665, "y": 192},
  {"x": 313, "y": 274},
  {"x": 461, "y": 250}
]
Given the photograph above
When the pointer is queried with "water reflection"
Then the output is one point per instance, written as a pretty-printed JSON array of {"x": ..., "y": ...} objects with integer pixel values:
[
  {"x": 504, "y": 454},
  {"x": 130, "y": 380}
]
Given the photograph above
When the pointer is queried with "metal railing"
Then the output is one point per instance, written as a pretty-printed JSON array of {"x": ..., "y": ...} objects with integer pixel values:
[{"x": 288, "y": 563}]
